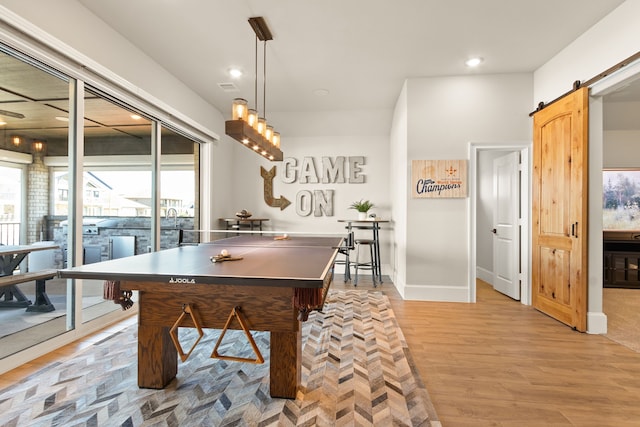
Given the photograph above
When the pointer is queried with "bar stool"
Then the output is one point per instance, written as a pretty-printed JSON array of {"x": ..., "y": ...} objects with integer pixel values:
[
  {"x": 370, "y": 265},
  {"x": 373, "y": 227},
  {"x": 345, "y": 250}
]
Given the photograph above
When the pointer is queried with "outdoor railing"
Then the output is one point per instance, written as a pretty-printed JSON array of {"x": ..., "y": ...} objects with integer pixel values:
[{"x": 9, "y": 233}]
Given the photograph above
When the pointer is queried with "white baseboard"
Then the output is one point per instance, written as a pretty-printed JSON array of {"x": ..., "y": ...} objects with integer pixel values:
[
  {"x": 484, "y": 275},
  {"x": 436, "y": 293},
  {"x": 596, "y": 323}
]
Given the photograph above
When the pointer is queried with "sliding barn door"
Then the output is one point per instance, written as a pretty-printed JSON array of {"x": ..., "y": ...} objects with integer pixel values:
[{"x": 559, "y": 217}]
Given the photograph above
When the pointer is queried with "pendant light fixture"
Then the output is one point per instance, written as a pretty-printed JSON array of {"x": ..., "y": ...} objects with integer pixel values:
[{"x": 247, "y": 125}]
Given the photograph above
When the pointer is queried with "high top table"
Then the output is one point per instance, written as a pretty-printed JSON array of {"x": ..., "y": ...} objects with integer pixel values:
[{"x": 374, "y": 225}]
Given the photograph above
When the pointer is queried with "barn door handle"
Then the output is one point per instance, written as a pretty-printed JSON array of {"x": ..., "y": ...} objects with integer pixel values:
[{"x": 574, "y": 229}]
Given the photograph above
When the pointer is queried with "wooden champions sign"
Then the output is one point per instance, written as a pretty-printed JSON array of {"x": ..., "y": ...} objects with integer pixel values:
[{"x": 438, "y": 179}]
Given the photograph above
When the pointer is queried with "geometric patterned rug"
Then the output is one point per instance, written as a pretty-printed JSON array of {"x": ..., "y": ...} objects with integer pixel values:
[{"x": 356, "y": 371}]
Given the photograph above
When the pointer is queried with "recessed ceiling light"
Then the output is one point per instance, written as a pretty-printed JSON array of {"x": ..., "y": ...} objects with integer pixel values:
[
  {"x": 235, "y": 73},
  {"x": 3, "y": 123},
  {"x": 135, "y": 117},
  {"x": 321, "y": 92},
  {"x": 62, "y": 118},
  {"x": 473, "y": 62}
]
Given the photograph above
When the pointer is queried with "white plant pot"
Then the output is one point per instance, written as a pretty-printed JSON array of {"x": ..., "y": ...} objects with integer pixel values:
[{"x": 362, "y": 216}]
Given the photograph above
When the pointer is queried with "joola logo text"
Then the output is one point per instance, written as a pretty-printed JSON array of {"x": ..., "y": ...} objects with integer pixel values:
[{"x": 181, "y": 280}]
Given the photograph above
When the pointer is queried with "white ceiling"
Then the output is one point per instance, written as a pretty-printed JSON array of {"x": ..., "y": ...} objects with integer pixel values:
[{"x": 360, "y": 51}]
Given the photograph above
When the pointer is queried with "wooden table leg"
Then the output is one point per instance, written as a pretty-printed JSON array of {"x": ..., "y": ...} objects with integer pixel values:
[
  {"x": 157, "y": 357},
  {"x": 286, "y": 364}
]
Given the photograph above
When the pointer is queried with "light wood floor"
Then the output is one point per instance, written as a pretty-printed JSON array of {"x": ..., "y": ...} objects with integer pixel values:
[
  {"x": 499, "y": 363},
  {"x": 494, "y": 363}
]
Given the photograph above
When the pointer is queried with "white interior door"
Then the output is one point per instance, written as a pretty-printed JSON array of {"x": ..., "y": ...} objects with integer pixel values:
[{"x": 506, "y": 219}]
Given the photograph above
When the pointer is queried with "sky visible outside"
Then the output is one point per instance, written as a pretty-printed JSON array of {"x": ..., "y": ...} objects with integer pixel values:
[{"x": 173, "y": 184}]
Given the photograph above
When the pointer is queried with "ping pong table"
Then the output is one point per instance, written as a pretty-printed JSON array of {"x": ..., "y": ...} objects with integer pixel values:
[{"x": 274, "y": 285}]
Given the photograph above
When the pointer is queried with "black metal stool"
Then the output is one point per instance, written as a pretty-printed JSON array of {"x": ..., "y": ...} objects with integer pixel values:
[
  {"x": 371, "y": 265},
  {"x": 345, "y": 250}
]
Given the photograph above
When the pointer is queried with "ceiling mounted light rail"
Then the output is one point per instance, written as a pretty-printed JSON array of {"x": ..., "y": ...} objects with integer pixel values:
[{"x": 246, "y": 125}]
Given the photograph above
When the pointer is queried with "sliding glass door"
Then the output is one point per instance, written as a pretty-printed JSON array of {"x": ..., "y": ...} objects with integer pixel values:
[
  {"x": 32, "y": 97},
  {"x": 179, "y": 184},
  {"x": 120, "y": 214}
]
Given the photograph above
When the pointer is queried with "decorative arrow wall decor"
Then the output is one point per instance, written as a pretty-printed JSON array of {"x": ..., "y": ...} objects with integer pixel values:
[{"x": 281, "y": 202}]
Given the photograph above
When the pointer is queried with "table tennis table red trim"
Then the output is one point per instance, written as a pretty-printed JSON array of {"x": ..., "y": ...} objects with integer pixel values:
[{"x": 262, "y": 285}]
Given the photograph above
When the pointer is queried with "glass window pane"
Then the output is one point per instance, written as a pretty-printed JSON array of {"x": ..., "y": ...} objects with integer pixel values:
[
  {"x": 117, "y": 202},
  {"x": 31, "y": 99},
  {"x": 178, "y": 186},
  {"x": 117, "y": 189}
]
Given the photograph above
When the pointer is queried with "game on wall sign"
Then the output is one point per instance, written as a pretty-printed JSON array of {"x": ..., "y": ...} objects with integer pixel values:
[
  {"x": 438, "y": 179},
  {"x": 337, "y": 170}
]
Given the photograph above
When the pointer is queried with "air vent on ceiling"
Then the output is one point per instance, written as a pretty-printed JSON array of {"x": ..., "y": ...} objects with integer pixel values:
[{"x": 228, "y": 87}]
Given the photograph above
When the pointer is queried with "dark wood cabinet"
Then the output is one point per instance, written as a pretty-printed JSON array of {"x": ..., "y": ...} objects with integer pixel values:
[{"x": 621, "y": 251}]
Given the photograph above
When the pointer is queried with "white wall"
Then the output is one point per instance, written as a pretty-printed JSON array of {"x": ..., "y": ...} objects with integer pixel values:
[
  {"x": 217, "y": 189},
  {"x": 605, "y": 44},
  {"x": 399, "y": 176},
  {"x": 445, "y": 114},
  {"x": 321, "y": 134},
  {"x": 621, "y": 149},
  {"x": 610, "y": 41},
  {"x": 621, "y": 115},
  {"x": 621, "y": 134}
]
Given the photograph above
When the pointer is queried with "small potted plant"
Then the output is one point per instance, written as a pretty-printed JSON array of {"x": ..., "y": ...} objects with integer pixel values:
[{"x": 362, "y": 207}]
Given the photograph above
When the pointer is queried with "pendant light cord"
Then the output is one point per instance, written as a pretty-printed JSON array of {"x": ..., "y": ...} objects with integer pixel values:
[
  {"x": 264, "y": 79},
  {"x": 256, "y": 79}
]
